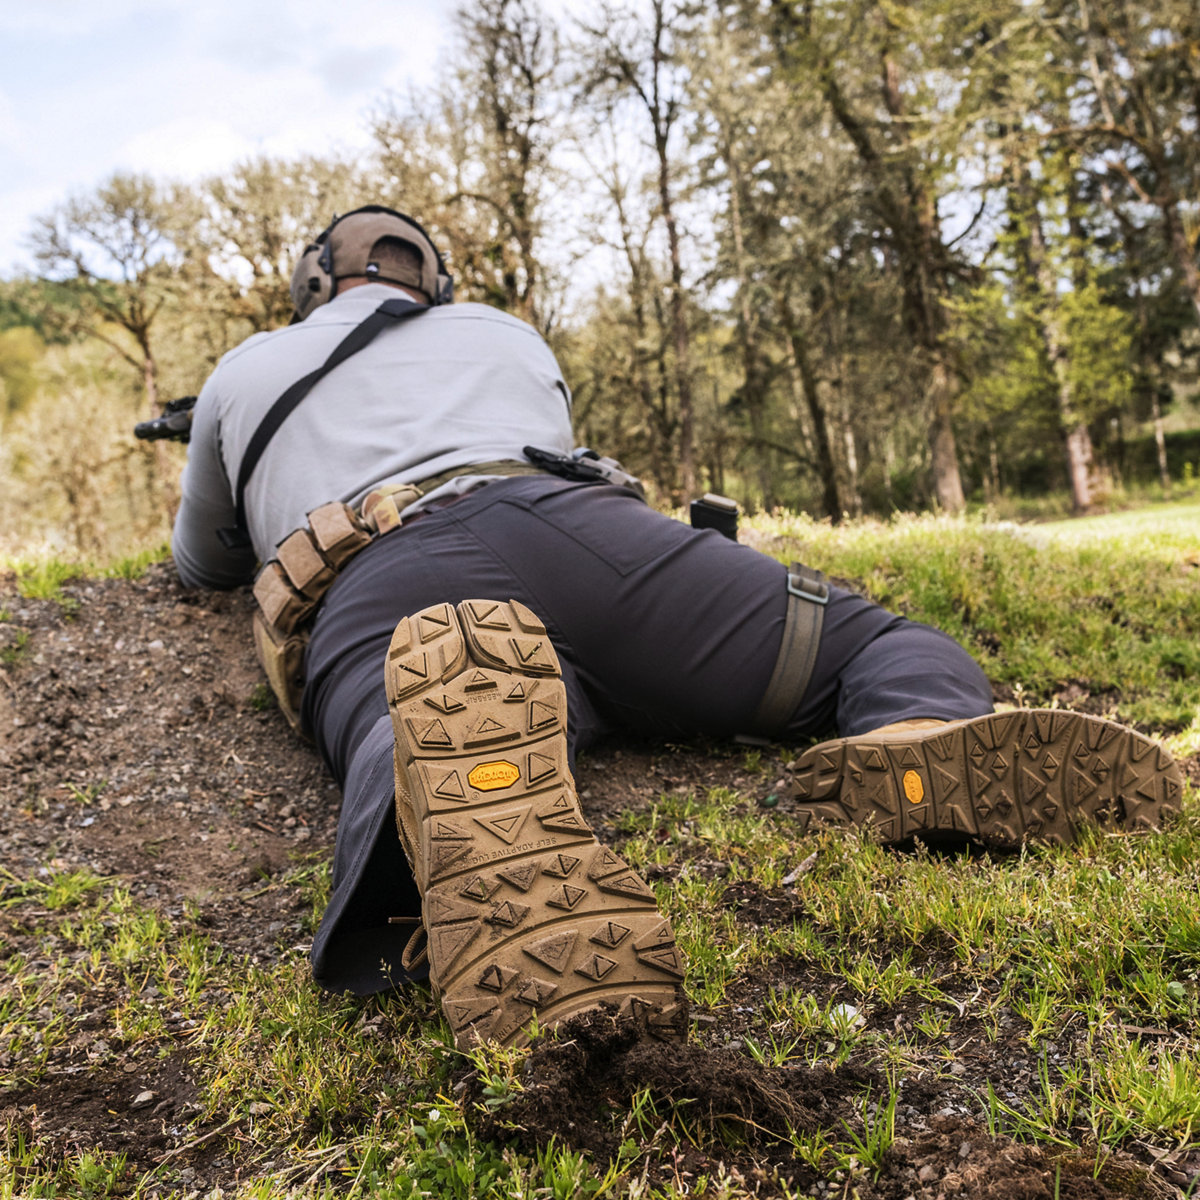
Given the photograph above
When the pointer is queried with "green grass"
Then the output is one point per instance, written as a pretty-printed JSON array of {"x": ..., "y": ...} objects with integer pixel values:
[
  {"x": 43, "y": 578},
  {"x": 1082, "y": 961},
  {"x": 1109, "y": 605}
]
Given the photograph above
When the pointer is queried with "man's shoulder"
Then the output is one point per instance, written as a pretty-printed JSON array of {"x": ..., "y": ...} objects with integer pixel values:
[
  {"x": 335, "y": 319},
  {"x": 469, "y": 310}
]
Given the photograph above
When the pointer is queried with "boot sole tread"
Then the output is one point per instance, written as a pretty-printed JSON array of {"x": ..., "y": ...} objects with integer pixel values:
[
  {"x": 526, "y": 913},
  {"x": 1032, "y": 775}
]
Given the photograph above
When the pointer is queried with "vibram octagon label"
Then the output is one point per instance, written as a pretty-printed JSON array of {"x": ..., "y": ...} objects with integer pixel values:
[
  {"x": 914, "y": 789},
  {"x": 492, "y": 776}
]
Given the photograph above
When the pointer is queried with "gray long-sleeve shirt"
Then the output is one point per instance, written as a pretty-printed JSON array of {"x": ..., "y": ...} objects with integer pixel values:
[{"x": 456, "y": 385}]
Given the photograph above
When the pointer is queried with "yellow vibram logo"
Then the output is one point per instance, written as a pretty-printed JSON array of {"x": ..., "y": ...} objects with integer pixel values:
[
  {"x": 914, "y": 789},
  {"x": 491, "y": 776}
]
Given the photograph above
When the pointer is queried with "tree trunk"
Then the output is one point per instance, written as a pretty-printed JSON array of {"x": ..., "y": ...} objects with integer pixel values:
[
  {"x": 1160, "y": 442},
  {"x": 150, "y": 382},
  {"x": 1078, "y": 444},
  {"x": 903, "y": 195},
  {"x": 664, "y": 477},
  {"x": 856, "y": 505},
  {"x": 680, "y": 337},
  {"x": 754, "y": 389},
  {"x": 1185, "y": 255},
  {"x": 799, "y": 360},
  {"x": 943, "y": 449}
]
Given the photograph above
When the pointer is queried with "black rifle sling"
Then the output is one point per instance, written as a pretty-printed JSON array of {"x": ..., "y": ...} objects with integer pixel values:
[{"x": 388, "y": 313}]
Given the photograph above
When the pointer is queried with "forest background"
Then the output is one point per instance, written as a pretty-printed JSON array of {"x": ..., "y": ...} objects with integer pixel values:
[{"x": 842, "y": 256}]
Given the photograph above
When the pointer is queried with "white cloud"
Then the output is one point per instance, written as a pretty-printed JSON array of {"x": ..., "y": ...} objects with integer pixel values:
[
  {"x": 179, "y": 89},
  {"x": 18, "y": 207},
  {"x": 65, "y": 17},
  {"x": 183, "y": 148},
  {"x": 14, "y": 134}
]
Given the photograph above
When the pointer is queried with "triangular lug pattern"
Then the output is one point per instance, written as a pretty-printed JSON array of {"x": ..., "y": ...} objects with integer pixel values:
[
  {"x": 508, "y": 914},
  {"x": 565, "y": 823},
  {"x": 611, "y": 934},
  {"x": 479, "y": 888},
  {"x": 605, "y": 863},
  {"x": 533, "y": 654},
  {"x": 414, "y": 664},
  {"x": 555, "y": 951},
  {"x": 505, "y": 825},
  {"x": 447, "y": 942},
  {"x": 496, "y": 977},
  {"x": 446, "y": 785},
  {"x": 1033, "y": 786},
  {"x": 441, "y": 907},
  {"x": 488, "y": 730},
  {"x": 487, "y": 615},
  {"x": 1098, "y": 734},
  {"x": 461, "y": 1013},
  {"x": 668, "y": 959},
  {"x": 536, "y": 992},
  {"x": 560, "y": 866},
  {"x": 1081, "y": 789},
  {"x": 1140, "y": 747},
  {"x": 626, "y": 885},
  {"x": 596, "y": 967},
  {"x": 1001, "y": 729},
  {"x": 433, "y": 623},
  {"x": 1148, "y": 790},
  {"x": 945, "y": 783},
  {"x": 872, "y": 758},
  {"x": 539, "y": 767},
  {"x": 431, "y": 735},
  {"x": 445, "y": 854},
  {"x": 541, "y": 715},
  {"x": 659, "y": 935},
  {"x": 445, "y": 831},
  {"x": 566, "y": 897},
  {"x": 521, "y": 877},
  {"x": 943, "y": 746}
]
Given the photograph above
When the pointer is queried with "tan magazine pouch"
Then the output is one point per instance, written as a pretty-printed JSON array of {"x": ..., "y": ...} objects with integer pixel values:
[
  {"x": 291, "y": 586},
  {"x": 289, "y": 589},
  {"x": 283, "y": 663}
]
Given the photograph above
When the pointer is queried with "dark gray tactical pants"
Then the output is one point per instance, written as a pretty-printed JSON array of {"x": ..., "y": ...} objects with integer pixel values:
[{"x": 660, "y": 629}]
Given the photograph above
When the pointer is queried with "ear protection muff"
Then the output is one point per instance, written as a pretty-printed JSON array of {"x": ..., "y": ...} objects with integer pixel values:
[{"x": 343, "y": 248}]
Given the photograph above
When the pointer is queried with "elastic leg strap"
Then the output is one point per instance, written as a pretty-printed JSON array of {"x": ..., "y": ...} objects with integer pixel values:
[{"x": 808, "y": 594}]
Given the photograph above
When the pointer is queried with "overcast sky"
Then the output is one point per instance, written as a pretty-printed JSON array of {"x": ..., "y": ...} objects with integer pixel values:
[{"x": 175, "y": 89}]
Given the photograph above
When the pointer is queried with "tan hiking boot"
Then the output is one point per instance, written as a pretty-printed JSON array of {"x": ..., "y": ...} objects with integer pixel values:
[
  {"x": 1031, "y": 775},
  {"x": 526, "y": 914}
]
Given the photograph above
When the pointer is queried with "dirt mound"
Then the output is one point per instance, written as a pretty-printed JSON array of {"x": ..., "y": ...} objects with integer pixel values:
[{"x": 596, "y": 1083}]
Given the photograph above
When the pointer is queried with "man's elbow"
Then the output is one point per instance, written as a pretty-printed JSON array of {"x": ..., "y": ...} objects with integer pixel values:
[{"x": 193, "y": 573}]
